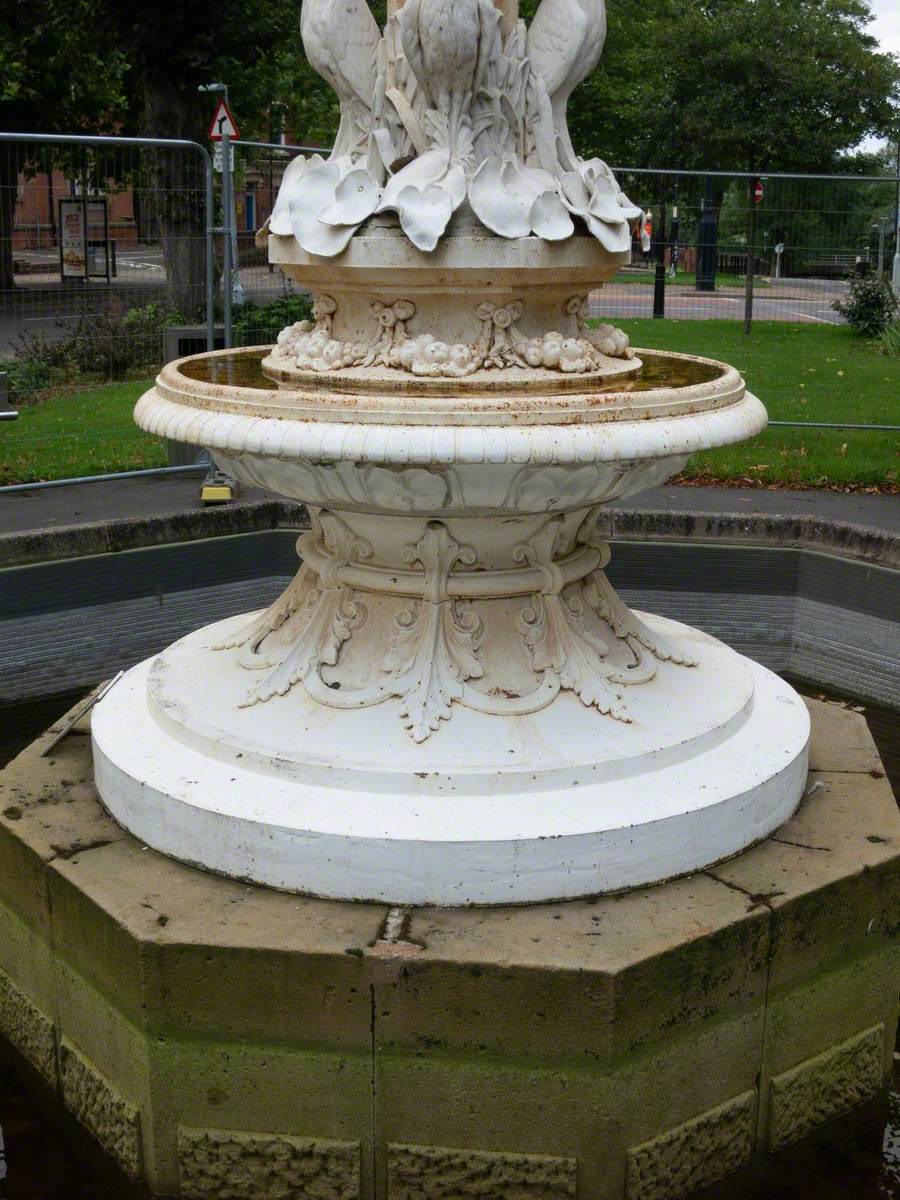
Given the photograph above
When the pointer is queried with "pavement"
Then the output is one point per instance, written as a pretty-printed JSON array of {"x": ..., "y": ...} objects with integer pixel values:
[{"x": 55, "y": 508}]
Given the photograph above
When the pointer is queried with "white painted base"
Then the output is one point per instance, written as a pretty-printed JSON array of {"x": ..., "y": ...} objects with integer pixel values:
[{"x": 559, "y": 803}]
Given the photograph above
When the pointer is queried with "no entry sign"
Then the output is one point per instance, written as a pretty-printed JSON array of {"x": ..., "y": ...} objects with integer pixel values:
[{"x": 758, "y": 192}]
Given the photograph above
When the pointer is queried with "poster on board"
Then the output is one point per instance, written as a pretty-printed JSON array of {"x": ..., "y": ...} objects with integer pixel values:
[{"x": 73, "y": 237}]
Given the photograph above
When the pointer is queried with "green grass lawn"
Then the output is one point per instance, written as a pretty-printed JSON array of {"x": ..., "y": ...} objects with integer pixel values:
[
  {"x": 78, "y": 432},
  {"x": 801, "y": 372},
  {"x": 685, "y": 279}
]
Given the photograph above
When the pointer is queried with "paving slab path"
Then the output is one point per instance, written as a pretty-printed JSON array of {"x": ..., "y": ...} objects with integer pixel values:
[{"x": 56, "y": 508}]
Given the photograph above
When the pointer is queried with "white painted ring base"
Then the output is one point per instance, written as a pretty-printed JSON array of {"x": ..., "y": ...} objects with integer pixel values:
[{"x": 561, "y": 803}]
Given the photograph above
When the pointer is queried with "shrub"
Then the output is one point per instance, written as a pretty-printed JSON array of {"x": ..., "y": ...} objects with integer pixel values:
[
  {"x": 260, "y": 324},
  {"x": 105, "y": 345},
  {"x": 119, "y": 340},
  {"x": 889, "y": 341},
  {"x": 870, "y": 306},
  {"x": 28, "y": 376}
]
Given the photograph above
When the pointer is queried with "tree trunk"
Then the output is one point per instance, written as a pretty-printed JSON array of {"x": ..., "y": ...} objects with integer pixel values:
[
  {"x": 9, "y": 180},
  {"x": 176, "y": 205}
]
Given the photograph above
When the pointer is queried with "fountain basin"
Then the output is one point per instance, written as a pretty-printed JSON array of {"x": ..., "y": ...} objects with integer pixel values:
[{"x": 450, "y": 704}]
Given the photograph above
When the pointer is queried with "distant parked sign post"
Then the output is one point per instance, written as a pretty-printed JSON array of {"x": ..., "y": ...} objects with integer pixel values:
[{"x": 222, "y": 129}]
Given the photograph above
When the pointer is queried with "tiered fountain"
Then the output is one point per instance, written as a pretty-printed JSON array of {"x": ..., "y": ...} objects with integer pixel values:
[{"x": 450, "y": 704}]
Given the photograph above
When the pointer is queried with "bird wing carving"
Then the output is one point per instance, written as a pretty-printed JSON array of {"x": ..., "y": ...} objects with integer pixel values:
[
  {"x": 554, "y": 43},
  {"x": 341, "y": 39},
  {"x": 441, "y": 41}
]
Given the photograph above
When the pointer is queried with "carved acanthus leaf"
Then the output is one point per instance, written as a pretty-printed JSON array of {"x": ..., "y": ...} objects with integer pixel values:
[
  {"x": 330, "y": 617},
  {"x": 311, "y": 637},
  {"x": 434, "y": 651},
  {"x": 272, "y": 618},
  {"x": 434, "y": 648},
  {"x": 560, "y": 643},
  {"x": 601, "y": 597}
]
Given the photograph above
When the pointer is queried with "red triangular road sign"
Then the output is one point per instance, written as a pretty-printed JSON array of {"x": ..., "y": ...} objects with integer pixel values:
[{"x": 223, "y": 122}]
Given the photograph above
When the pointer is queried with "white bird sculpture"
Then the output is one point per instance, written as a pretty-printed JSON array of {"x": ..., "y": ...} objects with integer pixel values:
[
  {"x": 564, "y": 44},
  {"x": 341, "y": 39},
  {"x": 442, "y": 41}
]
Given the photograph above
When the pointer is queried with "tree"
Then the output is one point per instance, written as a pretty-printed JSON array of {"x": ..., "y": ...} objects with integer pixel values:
[
  {"x": 749, "y": 85},
  {"x": 40, "y": 40},
  {"x": 171, "y": 50},
  {"x": 741, "y": 85},
  {"x": 103, "y": 66}
]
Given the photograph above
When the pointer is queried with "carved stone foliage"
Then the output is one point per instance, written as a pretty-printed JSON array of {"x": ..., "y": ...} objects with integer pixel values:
[
  {"x": 310, "y": 346},
  {"x": 676, "y": 1164},
  {"x": 562, "y": 626},
  {"x": 435, "y": 643},
  {"x": 227, "y": 1164},
  {"x": 418, "y": 1171},
  {"x": 446, "y": 105},
  {"x": 823, "y": 1087}
]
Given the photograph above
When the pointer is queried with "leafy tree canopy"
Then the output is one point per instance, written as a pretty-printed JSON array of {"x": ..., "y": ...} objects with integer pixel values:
[{"x": 740, "y": 84}]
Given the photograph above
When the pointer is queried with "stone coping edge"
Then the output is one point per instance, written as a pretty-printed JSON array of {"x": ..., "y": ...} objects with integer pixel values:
[{"x": 827, "y": 535}]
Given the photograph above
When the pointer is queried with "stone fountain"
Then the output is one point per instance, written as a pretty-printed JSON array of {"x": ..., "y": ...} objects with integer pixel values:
[{"x": 450, "y": 704}]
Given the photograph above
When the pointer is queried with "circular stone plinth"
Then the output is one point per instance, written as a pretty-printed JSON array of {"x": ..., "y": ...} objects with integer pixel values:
[{"x": 558, "y": 803}]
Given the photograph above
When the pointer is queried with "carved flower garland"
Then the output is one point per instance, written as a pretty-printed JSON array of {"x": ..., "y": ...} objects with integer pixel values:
[{"x": 311, "y": 346}]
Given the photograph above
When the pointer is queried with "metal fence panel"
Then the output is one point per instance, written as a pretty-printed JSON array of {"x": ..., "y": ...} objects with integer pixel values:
[
  {"x": 799, "y": 238},
  {"x": 105, "y": 242}
]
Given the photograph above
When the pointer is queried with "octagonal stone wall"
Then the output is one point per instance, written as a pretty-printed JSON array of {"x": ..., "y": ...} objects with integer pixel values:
[{"x": 224, "y": 1040}]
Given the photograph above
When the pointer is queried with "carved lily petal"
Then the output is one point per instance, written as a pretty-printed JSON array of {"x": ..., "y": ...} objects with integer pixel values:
[
  {"x": 261, "y": 237},
  {"x": 604, "y": 203},
  {"x": 575, "y": 195},
  {"x": 425, "y": 194},
  {"x": 431, "y": 168},
  {"x": 355, "y": 198},
  {"x": 549, "y": 218},
  {"x": 614, "y": 237},
  {"x": 630, "y": 211},
  {"x": 424, "y": 215},
  {"x": 497, "y": 206},
  {"x": 280, "y": 221},
  {"x": 319, "y": 185}
]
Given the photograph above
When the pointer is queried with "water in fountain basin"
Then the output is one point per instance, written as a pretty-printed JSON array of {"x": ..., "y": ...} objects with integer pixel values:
[{"x": 243, "y": 369}]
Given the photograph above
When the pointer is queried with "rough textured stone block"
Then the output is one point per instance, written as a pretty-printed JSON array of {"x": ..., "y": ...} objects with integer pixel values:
[
  {"x": 825, "y": 1086},
  {"x": 29, "y": 1029},
  {"x": 221, "y": 1164},
  {"x": 697, "y": 1153},
  {"x": 416, "y": 1172},
  {"x": 114, "y": 1121}
]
